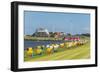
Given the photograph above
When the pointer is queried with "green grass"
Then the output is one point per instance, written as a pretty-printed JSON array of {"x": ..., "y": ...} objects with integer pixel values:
[
  {"x": 79, "y": 52},
  {"x": 40, "y": 38}
]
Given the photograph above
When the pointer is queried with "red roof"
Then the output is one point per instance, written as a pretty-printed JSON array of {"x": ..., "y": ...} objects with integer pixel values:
[{"x": 72, "y": 38}]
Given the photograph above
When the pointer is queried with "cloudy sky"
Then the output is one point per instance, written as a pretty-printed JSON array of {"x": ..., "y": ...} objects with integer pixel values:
[{"x": 74, "y": 23}]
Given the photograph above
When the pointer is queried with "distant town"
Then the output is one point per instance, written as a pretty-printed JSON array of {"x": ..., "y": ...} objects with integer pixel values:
[{"x": 44, "y": 34}]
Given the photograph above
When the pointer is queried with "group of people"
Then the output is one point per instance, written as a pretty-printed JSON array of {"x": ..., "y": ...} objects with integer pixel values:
[{"x": 51, "y": 48}]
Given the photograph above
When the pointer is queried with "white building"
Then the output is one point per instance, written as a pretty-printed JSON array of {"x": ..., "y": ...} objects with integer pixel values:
[{"x": 41, "y": 32}]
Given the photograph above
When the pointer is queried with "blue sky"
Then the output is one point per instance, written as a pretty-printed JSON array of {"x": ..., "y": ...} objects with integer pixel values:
[{"x": 74, "y": 23}]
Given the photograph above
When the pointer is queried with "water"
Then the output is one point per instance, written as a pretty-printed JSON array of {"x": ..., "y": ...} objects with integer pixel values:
[{"x": 28, "y": 43}]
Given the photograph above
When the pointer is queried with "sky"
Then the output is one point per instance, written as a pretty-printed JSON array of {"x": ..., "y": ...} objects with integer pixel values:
[{"x": 74, "y": 23}]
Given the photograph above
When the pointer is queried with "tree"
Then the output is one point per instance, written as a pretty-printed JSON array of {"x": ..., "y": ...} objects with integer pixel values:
[
  {"x": 68, "y": 34},
  {"x": 86, "y": 34},
  {"x": 51, "y": 34}
]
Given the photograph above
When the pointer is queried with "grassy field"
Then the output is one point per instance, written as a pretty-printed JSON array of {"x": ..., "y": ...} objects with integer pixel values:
[
  {"x": 79, "y": 52},
  {"x": 40, "y": 38}
]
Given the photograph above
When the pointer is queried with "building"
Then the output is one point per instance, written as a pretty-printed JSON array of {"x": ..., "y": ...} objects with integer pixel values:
[
  {"x": 72, "y": 38},
  {"x": 59, "y": 34},
  {"x": 41, "y": 32}
]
